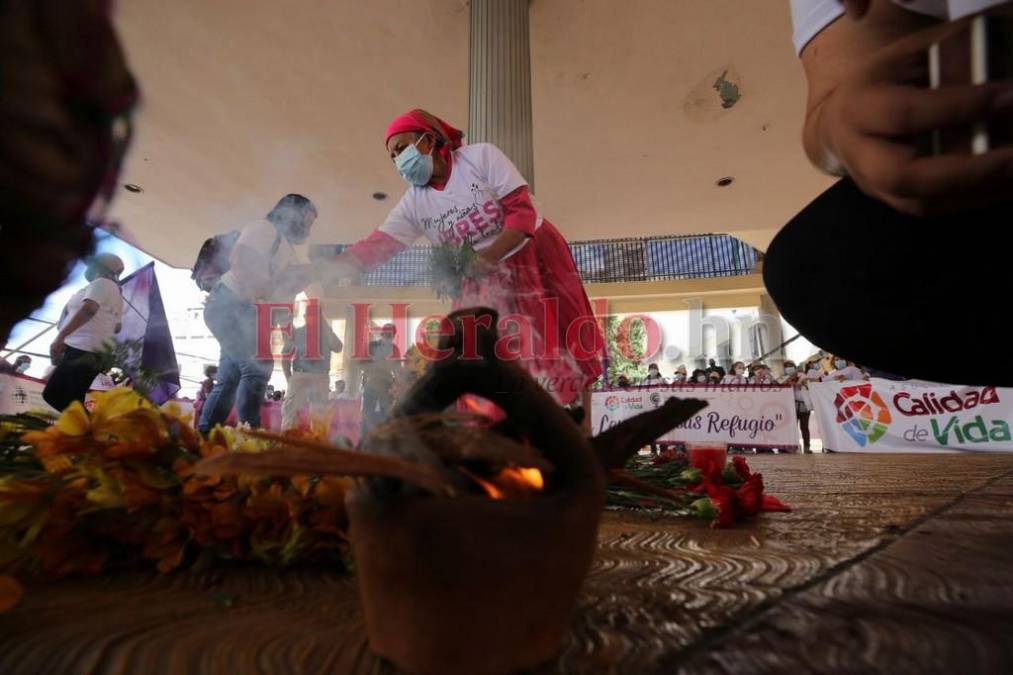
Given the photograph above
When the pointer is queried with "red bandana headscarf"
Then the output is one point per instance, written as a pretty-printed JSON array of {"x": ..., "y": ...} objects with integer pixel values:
[{"x": 420, "y": 121}]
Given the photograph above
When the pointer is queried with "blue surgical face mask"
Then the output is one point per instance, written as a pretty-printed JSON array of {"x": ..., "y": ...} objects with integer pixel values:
[
  {"x": 414, "y": 167},
  {"x": 840, "y": 363},
  {"x": 790, "y": 370},
  {"x": 22, "y": 367}
]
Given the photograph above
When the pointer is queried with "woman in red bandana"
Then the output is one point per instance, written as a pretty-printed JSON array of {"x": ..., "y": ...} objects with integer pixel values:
[{"x": 473, "y": 193}]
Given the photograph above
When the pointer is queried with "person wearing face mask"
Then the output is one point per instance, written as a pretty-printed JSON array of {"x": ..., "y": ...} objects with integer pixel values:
[
  {"x": 473, "y": 193},
  {"x": 796, "y": 379},
  {"x": 87, "y": 325},
  {"x": 263, "y": 268},
  {"x": 737, "y": 375},
  {"x": 845, "y": 371},
  {"x": 699, "y": 376},
  {"x": 762, "y": 375},
  {"x": 20, "y": 365},
  {"x": 653, "y": 375},
  {"x": 679, "y": 377}
]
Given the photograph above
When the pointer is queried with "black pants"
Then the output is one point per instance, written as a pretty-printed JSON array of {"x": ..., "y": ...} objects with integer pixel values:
[
  {"x": 803, "y": 425},
  {"x": 71, "y": 378}
]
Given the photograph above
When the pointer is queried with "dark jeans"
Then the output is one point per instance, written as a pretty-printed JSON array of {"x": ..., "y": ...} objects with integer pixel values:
[
  {"x": 803, "y": 425},
  {"x": 242, "y": 378},
  {"x": 71, "y": 378}
]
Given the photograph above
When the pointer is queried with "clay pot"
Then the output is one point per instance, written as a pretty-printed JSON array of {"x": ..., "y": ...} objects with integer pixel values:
[{"x": 472, "y": 585}]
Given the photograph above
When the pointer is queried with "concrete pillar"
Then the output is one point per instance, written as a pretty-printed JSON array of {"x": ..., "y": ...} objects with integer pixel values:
[{"x": 499, "y": 93}]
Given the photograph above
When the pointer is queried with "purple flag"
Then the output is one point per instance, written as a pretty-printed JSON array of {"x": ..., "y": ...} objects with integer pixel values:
[{"x": 144, "y": 320}]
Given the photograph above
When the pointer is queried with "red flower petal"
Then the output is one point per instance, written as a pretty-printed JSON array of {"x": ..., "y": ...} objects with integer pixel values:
[
  {"x": 750, "y": 495},
  {"x": 771, "y": 503},
  {"x": 741, "y": 467},
  {"x": 727, "y": 504}
]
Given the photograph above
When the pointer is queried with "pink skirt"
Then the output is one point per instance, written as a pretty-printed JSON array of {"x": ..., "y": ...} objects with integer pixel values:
[{"x": 546, "y": 321}]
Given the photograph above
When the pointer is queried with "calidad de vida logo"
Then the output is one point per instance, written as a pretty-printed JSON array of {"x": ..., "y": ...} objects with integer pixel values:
[
  {"x": 635, "y": 402},
  {"x": 862, "y": 414},
  {"x": 945, "y": 421},
  {"x": 612, "y": 403}
]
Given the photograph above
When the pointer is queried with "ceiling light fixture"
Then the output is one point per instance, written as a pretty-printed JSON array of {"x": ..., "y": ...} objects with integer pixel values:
[
  {"x": 379, "y": 196},
  {"x": 133, "y": 187},
  {"x": 725, "y": 182}
]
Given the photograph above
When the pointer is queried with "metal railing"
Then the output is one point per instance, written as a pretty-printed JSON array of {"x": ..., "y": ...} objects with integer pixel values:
[{"x": 599, "y": 260}]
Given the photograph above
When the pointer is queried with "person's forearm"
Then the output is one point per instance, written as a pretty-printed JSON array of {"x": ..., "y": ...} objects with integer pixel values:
[
  {"x": 507, "y": 241},
  {"x": 83, "y": 315},
  {"x": 348, "y": 258},
  {"x": 830, "y": 58}
]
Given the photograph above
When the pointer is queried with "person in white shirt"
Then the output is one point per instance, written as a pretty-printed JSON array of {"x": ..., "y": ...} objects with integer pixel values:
[
  {"x": 762, "y": 375},
  {"x": 263, "y": 268},
  {"x": 653, "y": 375},
  {"x": 865, "y": 117},
  {"x": 474, "y": 194},
  {"x": 803, "y": 403},
  {"x": 306, "y": 363},
  {"x": 340, "y": 392},
  {"x": 88, "y": 324},
  {"x": 845, "y": 371},
  {"x": 737, "y": 374}
]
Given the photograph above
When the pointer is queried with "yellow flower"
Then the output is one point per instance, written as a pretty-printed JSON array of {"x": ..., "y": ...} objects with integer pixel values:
[
  {"x": 122, "y": 423},
  {"x": 74, "y": 420},
  {"x": 172, "y": 409},
  {"x": 107, "y": 491},
  {"x": 57, "y": 464},
  {"x": 116, "y": 402}
]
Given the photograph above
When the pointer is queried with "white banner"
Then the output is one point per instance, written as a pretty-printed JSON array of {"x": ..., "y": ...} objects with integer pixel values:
[
  {"x": 914, "y": 416},
  {"x": 20, "y": 393},
  {"x": 752, "y": 416}
]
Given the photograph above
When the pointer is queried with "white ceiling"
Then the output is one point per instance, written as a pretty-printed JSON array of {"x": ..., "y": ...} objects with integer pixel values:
[{"x": 246, "y": 100}]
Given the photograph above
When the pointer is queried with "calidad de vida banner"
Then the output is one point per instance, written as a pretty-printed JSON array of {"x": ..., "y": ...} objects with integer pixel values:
[
  {"x": 885, "y": 416},
  {"x": 737, "y": 415}
]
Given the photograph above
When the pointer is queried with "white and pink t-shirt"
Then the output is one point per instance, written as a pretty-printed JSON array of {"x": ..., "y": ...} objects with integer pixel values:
[{"x": 467, "y": 208}]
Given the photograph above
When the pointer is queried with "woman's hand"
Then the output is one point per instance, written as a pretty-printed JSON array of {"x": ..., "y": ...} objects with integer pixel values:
[
  {"x": 57, "y": 349},
  {"x": 484, "y": 266},
  {"x": 874, "y": 124}
]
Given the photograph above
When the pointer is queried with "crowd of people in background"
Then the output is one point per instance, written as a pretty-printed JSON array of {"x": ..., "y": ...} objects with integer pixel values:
[{"x": 819, "y": 369}]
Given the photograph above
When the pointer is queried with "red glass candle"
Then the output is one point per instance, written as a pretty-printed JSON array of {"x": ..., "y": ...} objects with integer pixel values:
[{"x": 702, "y": 455}]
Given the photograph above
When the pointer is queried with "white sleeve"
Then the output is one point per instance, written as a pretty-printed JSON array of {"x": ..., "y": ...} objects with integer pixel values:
[
  {"x": 809, "y": 17},
  {"x": 101, "y": 291},
  {"x": 401, "y": 224},
  {"x": 497, "y": 169}
]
